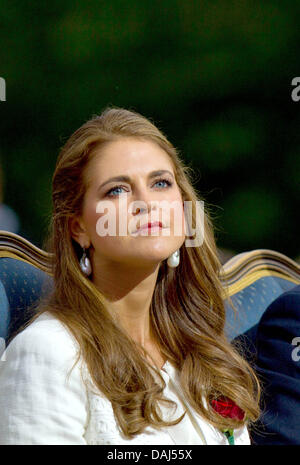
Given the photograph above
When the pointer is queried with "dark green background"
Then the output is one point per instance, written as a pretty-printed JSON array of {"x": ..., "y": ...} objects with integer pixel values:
[{"x": 215, "y": 76}]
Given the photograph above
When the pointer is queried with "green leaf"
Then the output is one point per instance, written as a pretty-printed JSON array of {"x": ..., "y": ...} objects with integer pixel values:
[{"x": 229, "y": 434}]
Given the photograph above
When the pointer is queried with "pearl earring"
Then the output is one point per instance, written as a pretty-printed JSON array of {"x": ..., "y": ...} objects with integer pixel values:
[
  {"x": 85, "y": 263},
  {"x": 174, "y": 259}
]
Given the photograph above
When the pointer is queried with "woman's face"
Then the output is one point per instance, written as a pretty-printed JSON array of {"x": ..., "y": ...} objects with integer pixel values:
[{"x": 148, "y": 179}]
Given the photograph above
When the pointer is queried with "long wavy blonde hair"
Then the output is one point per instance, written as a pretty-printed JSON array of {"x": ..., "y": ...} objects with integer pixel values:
[{"x": 187, "y": 313}]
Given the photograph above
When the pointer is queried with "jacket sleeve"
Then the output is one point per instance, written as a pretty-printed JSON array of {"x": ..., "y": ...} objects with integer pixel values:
[
  {"x": 278, "y": 366},
  {"x": 38, "y": 404}
]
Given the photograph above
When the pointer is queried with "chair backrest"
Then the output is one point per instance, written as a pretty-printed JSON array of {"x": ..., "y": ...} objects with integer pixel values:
[
  {"x": 251, "y": 279},
  {"x": 24, "y": 277}
]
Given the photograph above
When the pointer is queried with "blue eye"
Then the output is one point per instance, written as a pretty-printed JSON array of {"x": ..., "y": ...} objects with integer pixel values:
[
  {"x": 164, "y": 180},
  {"x": 110, "y": 193}
]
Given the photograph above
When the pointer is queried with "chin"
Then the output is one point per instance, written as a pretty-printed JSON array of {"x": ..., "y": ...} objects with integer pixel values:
[{"x": 149, "y": 257}]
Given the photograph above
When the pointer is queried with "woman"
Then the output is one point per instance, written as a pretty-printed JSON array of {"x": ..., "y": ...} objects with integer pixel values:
[{"x": 136, "y": 320}]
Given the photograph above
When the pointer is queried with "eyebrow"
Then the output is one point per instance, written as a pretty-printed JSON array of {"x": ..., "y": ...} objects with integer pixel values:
[{"x": 124, "y": 178}]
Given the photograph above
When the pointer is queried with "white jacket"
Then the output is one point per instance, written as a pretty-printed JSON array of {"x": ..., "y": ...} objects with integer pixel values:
[{"x": 39, "y": 405}]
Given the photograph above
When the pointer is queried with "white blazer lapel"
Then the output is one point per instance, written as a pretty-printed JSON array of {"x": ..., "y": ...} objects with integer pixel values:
[{"x": 187, "y": 431}]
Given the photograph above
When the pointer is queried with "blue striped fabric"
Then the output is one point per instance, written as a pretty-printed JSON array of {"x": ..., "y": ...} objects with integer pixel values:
[
  {"x": 251, "y": 302},
  {"x": 21, "y": 286},
  {"x": 4, "y": 312}
]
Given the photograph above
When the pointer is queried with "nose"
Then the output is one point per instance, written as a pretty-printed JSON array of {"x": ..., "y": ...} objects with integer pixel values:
[
  {"x": 140, "y": 210},
  {"x": 146, "y": 206},
  {"x": 140, "y": 206},
  {"x": 141, "y": 201},
  {"x": 145, "y": 203}
]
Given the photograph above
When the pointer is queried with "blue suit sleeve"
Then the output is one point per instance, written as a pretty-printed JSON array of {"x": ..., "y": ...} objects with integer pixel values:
[{"x": 278, "y": 366}]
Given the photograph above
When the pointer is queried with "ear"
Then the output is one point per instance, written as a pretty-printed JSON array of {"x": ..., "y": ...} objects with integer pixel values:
[{"x": 78, "y": 232}]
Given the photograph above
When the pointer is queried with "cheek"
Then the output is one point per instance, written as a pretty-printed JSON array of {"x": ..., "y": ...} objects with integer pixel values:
[
  {"x": 111, "y": 222},
  {"x": 177, "y": 216},
  {"x": 90, "y": 219},
  {"x": 99, "y": 219},
  {"x": 178, "y": 221}
]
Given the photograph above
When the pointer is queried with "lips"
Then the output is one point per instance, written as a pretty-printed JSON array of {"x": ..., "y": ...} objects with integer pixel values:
[{"x": 151, "y": 225}]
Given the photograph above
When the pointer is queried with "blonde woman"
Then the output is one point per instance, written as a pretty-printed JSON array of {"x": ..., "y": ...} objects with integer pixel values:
[{"x": 129, "y": 347}]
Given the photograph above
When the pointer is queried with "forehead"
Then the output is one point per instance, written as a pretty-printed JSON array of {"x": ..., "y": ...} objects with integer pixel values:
[{"x": 128, "y": 156}]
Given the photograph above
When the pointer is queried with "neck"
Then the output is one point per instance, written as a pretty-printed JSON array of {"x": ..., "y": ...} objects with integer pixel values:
[{"x": 128, "y": 293}]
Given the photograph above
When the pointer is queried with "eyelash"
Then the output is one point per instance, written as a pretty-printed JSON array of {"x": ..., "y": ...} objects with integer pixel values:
[{"x": 108, "y": 194}]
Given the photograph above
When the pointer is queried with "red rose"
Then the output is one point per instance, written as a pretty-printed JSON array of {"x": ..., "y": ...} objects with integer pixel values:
[{"x": 226, "y": 408}]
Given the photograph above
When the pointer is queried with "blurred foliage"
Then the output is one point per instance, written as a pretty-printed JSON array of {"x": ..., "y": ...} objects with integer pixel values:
[{"x": 215, "y": 76}]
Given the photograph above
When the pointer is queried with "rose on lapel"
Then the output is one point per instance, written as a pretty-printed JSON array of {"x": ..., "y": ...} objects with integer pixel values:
[{"x": 227, "y": 408}]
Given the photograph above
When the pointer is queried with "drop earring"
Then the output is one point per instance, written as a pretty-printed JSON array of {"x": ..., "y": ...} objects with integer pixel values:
[
  {"x": 174, "y": 259},
  {"x": 85, "y": 263}
]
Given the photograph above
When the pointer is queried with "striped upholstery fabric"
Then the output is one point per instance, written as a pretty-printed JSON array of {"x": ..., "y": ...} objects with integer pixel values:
[
  {"x": 21, "y": 284},
  {"x": 251, "y": 302}
]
